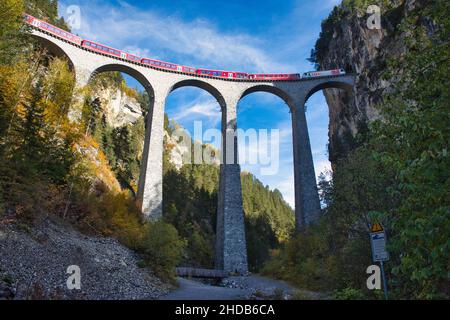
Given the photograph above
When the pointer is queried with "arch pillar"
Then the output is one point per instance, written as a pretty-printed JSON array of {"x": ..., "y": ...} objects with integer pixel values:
[
  {"x": 231, "y": 246},
  {"x": 150, "y": 187},
  {"x": 307, "y": 203}
]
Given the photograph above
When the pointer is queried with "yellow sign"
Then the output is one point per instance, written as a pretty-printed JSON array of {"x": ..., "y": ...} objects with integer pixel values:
[{"x": 376, "y": 227}]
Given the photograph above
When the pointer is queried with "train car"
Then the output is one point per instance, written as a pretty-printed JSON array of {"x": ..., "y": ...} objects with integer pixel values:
[
  {"x": 276, "y": 76},
  {"x": 315, "y": 74},
  {"x": 60, "y": 33},
  {"x": 222, "y": 74},
  {"x": 102, "y": 49},
  {"x": 186, "y": 69},
  {"x": 213, "y": 73},
  {"x": 130, "y": 57},
  {"x": 162, "y": 64},
  {"x": 168, "y": 65},
  {"x": 241, "y": 75}
]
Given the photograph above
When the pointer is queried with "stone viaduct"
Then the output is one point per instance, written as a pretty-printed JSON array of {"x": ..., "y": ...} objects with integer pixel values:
[{"x": 231, "y": 249}]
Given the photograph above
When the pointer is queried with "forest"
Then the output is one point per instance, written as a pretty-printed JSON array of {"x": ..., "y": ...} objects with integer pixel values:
[{"x": 85, "y": 172}]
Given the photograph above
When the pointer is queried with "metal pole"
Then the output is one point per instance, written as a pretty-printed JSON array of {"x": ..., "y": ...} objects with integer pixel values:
[{"x": 384, "y": 281}]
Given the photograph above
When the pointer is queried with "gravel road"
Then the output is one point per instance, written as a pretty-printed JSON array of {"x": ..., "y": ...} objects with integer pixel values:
[{"x": 234, "y": 288}]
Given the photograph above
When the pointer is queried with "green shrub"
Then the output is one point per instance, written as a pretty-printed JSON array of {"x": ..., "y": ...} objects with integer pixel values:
[
  {"x": 162, "y": 248},
  {"x": 349, "y": 294}
]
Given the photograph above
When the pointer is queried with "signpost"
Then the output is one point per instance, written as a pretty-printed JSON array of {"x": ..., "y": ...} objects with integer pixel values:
[{"x": 379, "y": 253}]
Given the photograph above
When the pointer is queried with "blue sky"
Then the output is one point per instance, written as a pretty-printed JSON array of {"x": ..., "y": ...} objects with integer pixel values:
[{"x": 250, "y": 36}]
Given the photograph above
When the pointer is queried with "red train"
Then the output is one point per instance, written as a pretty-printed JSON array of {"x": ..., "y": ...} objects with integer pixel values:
[
  {"x": 90, "y": 45},
  {"x": 222, "y": 74},
  {"x": 276, "y": 76},
  {"x": 167, "y": 65},
  {"x": 52, "y": 29},
  {"x": 315, "y": 74},
  {"x": 100, "y": 48}
]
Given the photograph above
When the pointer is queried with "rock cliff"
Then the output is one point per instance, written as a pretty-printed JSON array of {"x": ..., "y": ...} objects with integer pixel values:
[{"x": 347, "y": 42}]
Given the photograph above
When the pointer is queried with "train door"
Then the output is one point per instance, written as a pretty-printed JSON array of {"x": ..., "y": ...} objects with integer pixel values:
[
  {"x": 179, "y": 68},
  {"x": 123, "y": 55},
  {"x": 230, "y": 75}
]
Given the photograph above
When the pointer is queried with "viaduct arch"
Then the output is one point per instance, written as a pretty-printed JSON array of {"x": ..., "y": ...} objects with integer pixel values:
[{"x": 231, "y": 252}]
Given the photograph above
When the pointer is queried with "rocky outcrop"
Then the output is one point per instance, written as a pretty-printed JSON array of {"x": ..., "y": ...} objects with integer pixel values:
[
  {"x": 119, "y": 108},
  {"x": 347, "y": 42},
  {"x": 34, "y": 262},
  {"x": 178, "y": 150}
]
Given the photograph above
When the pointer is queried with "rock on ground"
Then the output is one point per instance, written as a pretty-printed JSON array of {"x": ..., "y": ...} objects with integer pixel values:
[{"x": 34, "y": 262}]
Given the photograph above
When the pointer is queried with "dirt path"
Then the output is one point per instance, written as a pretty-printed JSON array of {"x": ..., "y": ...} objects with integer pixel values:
[
  {"x": 246, "y": 287},
  {"x": 194, "y": 290}
]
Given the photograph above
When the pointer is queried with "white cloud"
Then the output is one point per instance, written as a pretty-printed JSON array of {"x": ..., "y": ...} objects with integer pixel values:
[
  {"x": 322, "y": 166},
  {"x": 199, "y": 107},
  {"x": 286, "y": 187},
  {"x": 198, "y": 40},
  {"x": 203, "y": 108},
  {"x": 141, "y": 52}
]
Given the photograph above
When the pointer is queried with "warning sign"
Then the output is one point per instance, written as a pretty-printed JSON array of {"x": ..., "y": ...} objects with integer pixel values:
[
  {"x": 378, "y": 244},
  {"x": 376, "y": 227}
]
